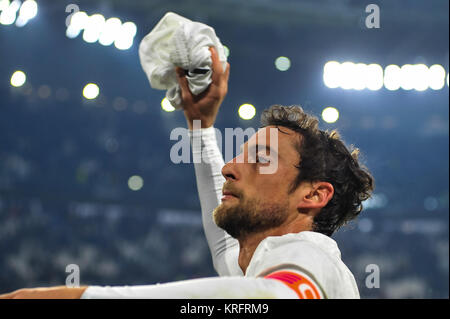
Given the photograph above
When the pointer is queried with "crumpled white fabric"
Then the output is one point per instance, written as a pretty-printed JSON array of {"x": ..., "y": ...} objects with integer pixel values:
[{"x": 178, "y": 41}]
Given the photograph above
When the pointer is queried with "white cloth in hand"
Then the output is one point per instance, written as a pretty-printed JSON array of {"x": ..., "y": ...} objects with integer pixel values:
[{"x": 179, "y": 42}]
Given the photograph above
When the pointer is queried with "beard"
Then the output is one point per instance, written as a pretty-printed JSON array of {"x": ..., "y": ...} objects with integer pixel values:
[{"x": 249, "y": 216}]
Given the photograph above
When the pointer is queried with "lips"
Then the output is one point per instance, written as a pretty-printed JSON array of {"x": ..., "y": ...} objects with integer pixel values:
[{"x": 228, "y": 195}]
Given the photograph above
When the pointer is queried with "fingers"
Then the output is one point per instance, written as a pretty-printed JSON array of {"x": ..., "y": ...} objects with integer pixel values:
[
  {"x": 183, "y": 82},
  {"x": 216, "y": 65},
  {"x": 227, "y": 73},
  {"x": 219, "y": 76}
]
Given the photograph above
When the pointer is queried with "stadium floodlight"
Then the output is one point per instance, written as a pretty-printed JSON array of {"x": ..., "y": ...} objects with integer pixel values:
[
  {"x": 374, "y": 77},
  {"x": 349, "y": 75},
  {"x": 135, "y": 182},
  {"x": 246, "y": 111},
  {"x": 110, "y": 30},
  {"x": 360, "y": 76},
  {"x": 28, "y": 10},
  {"x": 9, "y": 14},
  {"x": 18, "y": 78},
  {"x": 4, "y": 4},
  {"x": 407, "y": 77},
  {"x": 421, "y": 77},
  {"x": 226, "y": 51},
  {"x": 106, "y": 32},
  {"x": 77, "y": 23},
  {"x": 436, "y": 75},
  {"x": 166, "y": 105},
  {"x": 93, "y": 28},
  {"x": 392, "y": 77},
  {"x": 330, "y": 114},
  {"x": 91, "y": 91},
  {"x": 331, "y": 74},
  {"x": 125, "y": 36},
  {"x": 282, "y": 63}
]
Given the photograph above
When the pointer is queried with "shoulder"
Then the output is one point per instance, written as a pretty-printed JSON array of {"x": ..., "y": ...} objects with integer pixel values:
[{"x": 313, "y": 255}]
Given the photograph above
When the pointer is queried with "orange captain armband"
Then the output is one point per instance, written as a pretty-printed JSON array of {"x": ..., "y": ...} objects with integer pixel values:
[{"x": 303, "y": 286}]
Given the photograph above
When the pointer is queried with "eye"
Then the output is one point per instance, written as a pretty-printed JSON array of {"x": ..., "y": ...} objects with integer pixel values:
[{"x": 262, "y": 160}]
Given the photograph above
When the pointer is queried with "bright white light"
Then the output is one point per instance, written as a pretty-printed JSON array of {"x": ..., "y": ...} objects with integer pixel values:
[
  {"x": 392, "y": 77},
  {"x": 129, "y": 28},
  {"x": 123, "y": 43},
  {"x": 332, "y": 74},
  {"x": 360, "y": 76},
  {"x": 110, "y": 31},
  {"x": 135, "y": 182},
  {"x": 347, "y": 76},
  {"x": 124, "y": 39},
  {"x": 79, "y": 20},
  {"x": 436, "y": 75},
  {"x": 374, "y": 78},
  {"x": 421, "y": 77},
  {"x": 8, "y": 15},
  {"x": 166, "y": 106},
  {"x": 330, "y": 114},
  {"x": 282, "y": 63},
  {"x": 94, "y": 26},
  {"x": 72, "y": 32},
  {"x": 18, "y": 79},
  {"x": 4, "y": 4},
  {"x": 20, "y": 22},
  {"x": 226, "y": 51},
  {"x": 246, "y": 111},
  {"x": 91, "y": 91},
  {"x": 407, "y": 77},
  {"x": 28, "y": 10}
]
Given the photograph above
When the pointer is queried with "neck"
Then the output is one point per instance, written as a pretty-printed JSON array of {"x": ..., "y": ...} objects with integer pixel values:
[
  {"x": 248, "y": 246},
  {"x": 249, "y": 242}
]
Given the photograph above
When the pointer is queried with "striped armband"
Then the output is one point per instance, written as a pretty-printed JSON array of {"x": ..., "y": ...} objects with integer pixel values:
[{"x": 303, "y": 285}]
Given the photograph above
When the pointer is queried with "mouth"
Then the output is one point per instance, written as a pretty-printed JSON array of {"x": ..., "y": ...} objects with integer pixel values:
[{"x": 227, "y": 195}]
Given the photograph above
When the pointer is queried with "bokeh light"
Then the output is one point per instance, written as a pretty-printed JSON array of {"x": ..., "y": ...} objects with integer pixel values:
[
  {"x": 18, "y": 79},
  {"x": 166, "y": 105},
  {"x": 246, "y": 111},
  {"x": 135, "y": 182},
  {"x": 330, "y": 114},
  {"x": 91, "y": 91},
  {"x": 282, "y": 63}
]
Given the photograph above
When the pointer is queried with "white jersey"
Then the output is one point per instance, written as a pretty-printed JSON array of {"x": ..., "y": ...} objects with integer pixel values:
[
  {"x": 305, "y": 265},
  {"x": 312, "y": 254}
]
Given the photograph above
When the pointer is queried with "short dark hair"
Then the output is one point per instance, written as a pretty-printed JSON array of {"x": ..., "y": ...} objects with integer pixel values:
[{"x": 324, "y": 157}]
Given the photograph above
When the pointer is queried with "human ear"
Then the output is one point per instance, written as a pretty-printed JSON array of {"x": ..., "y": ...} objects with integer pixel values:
[{"x": 317, "y": 196}]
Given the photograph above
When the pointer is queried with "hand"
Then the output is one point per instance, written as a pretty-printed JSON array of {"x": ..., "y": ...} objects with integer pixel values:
[
  {"x": 59, "y": 292},
  {"x": 205, "y": 106}
]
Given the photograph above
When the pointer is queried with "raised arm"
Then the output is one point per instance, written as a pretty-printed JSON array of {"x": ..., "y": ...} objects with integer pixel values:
[{"x": 204, "y": 108}]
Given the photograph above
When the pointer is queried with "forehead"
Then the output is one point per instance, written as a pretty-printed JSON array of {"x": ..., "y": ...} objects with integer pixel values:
[{"x": 286, "y": 138}]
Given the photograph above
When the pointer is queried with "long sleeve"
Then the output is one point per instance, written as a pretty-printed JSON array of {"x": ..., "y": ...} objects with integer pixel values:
[
  {"x": 205, "y": 288},
  {"x": 208, "y": 163}
]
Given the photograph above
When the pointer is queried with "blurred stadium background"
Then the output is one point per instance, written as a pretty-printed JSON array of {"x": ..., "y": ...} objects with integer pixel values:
[{"x": 85, "y": 172}]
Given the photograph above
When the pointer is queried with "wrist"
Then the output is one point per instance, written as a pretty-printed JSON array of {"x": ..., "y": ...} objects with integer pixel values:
[{"x": 195, "y": 124}]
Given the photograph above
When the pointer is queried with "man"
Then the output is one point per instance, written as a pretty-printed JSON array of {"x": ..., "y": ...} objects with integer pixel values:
[{"x": 268, "y": 233}]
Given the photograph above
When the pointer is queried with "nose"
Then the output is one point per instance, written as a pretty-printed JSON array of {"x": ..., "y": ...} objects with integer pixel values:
[{"x": 230, "y": 170}]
